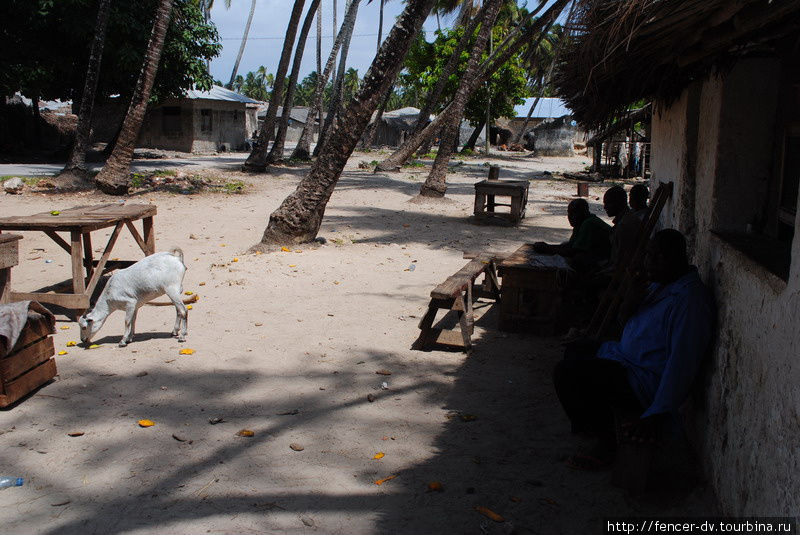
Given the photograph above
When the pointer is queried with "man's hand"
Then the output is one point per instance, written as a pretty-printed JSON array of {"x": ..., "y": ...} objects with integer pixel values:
[
  {"x": 542, "y": 247},
  {"x": 643, "y": 431}
]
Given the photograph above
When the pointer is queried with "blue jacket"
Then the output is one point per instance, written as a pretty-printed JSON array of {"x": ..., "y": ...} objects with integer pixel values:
[{"x": 663, "y": 343}]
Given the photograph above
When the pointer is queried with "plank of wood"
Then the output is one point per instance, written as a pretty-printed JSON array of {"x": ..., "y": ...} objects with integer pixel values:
[
  {"x": 36, "y": 329},
  {"x": 461, "y": 279},
  {"x": 73, "y": 301},
  {"x": 20, "y": 362},
  {"x": 28, "y": 382},
  {"x": 98, "y": 270}
]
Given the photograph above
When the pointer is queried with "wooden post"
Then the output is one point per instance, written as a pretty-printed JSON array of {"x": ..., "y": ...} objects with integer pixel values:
[
  {"x": 494, "y": 172},
  {"x": 149, "y": 235},
  {"x": 583, "y": 189}
]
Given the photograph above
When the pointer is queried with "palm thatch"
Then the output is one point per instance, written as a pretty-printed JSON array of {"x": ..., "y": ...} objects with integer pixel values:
[{"x": 623, "y": 51}]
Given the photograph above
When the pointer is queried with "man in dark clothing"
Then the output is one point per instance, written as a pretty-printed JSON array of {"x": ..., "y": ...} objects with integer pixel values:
[
  {"x": 650, "y": 370},
  {"x": 637, "y": 198},
  {"x": 626, "y": 229},
  {"x": 589, "y": 246}
]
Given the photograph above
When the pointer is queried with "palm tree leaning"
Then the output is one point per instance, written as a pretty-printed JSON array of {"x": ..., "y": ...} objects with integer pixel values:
[
  {"x": 299, "y": 216},
  {"x": 244, "y": 39},
  {"x": 257, "y": 161},
  {"x": 114, "y": 177},
  {"x": 338, "y": 85},
  {"x": 435, "y": 185},
  {"x": 75, "y": 171},
  {"x": 303, "y": 149},
  {"x": 276, "y": 153}
]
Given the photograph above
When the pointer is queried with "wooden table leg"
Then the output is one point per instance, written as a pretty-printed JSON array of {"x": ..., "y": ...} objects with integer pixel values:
[
  {"x": 480, "y": 200},
  {"x": 78, "y": 282},
  {"x": 88, "y": 258},
  {"x": 149, "y": 235},
  {"x": 5, "y": 285}
]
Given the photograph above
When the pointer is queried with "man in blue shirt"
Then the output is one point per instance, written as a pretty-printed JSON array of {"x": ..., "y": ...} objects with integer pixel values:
[{"x": 650, "y": 370}]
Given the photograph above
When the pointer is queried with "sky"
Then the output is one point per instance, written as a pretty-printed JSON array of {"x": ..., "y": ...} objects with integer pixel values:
[{"x": 267, "y": 31}]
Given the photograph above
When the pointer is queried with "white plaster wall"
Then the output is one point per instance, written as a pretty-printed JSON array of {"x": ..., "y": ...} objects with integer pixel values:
[
  {"x": 750, "y": 418},
  {"x": 225, "y": 129}
]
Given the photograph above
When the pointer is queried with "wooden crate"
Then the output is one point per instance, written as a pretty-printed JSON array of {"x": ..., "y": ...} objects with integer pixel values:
[{"x": 29, "y": 364}]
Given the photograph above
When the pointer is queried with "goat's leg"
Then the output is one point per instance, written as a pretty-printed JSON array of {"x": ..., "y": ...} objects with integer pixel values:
[
  {"x": 130, "y": 324},
  {"x": 181, "y": 316}
]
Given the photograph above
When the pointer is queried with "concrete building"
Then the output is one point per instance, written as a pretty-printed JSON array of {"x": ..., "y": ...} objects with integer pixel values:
[
  {"x": 726, "y": 133},
  {"x": 550, "y": 130},
  {"x": 202, "y": 121}
]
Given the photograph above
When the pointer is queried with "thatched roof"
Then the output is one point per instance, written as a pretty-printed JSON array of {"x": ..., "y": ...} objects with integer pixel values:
[{"x": 623, "y": 51}]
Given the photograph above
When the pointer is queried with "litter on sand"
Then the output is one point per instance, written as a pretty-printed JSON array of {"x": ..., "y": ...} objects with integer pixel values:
[{"x": 385, "y": 479}]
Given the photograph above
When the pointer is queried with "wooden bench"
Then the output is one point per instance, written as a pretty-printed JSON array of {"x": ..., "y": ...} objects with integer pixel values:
[
  {"x": 9, "y": 257},
  {"x": 457, "y": 294}
]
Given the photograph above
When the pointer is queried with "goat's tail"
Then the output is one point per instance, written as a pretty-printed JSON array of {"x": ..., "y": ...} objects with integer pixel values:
[{"x": 177, "y": 252}]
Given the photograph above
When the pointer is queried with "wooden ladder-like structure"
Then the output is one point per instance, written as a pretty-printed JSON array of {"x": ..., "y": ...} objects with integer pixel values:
[{"x": 620, "y": 283}]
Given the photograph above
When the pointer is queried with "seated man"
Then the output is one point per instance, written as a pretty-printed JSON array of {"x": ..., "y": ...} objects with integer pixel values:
[
  {"x": 589, "y": 246},
  {"x": 637, "y": 198},
  {"x": 625, "y": 233},
  {"x": 650, "y": 370}
]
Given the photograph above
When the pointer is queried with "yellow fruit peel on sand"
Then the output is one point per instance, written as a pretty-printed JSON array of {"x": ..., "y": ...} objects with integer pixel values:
[
  {"x": 146, "y": 423},
  {"x": 94, "y": 346},
  {"x": 245, "y": 433},
  {"x": 384, "y": 480},
  {"x": 488, "y": 513},
  {"x": 286, "y": 250},
  {"x": 62, "y": 352},
  {"x": 186, "y": 351},
  {"x": 72, "y": 343},
  {"x": 379, "y": 455}
]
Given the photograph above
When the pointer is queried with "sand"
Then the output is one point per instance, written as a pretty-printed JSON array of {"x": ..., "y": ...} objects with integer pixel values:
[{"x": 287, "y": 345}]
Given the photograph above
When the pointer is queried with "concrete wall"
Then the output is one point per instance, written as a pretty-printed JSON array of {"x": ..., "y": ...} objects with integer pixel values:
[
  {"x": 717, "y": 143},
  {"x": 229, "y": 122}
]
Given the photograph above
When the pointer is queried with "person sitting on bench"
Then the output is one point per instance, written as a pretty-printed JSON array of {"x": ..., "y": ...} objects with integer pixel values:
[
  {"x": 650, "y": 370},
  {"x": 637, "y": 198},
  {"x": 589, "y": 246},
  {"x": 626, "y": 229}
]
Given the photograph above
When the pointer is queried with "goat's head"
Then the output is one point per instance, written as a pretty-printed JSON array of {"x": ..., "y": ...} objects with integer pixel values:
[{"x": 89, "y": 327}]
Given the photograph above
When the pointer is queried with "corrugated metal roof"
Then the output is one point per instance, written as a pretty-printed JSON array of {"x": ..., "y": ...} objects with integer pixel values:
[
  {"x": 547, "y": 108},
  {"x": 220, "y": 93}
]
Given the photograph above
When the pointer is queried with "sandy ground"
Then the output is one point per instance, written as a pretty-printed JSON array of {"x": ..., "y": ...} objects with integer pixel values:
[{"x": 288, "y": 345}]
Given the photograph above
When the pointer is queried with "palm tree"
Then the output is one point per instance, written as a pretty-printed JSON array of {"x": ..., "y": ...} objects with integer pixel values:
[
  {"x": 113, "y": 178},
  {"x": 336, "y": 99},
  {"x": 77, "y": 157},
  {"x": 257, "y": 161},
  {"x": 303, "y": 149},
  {"x": 513, "y": 42},
  {"x": 299, "y": 216},
  {"x": 244, "y": 39},
  {"x": 435, "y": 185},
  {"x": 276, "y": 153}
]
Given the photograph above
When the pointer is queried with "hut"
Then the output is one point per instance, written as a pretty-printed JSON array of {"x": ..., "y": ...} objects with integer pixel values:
[
  {"x": 200, "y": 121},
  {"x": 726, "y": 132}
]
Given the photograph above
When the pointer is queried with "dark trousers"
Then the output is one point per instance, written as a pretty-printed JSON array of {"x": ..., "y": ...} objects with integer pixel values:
[{"x": 590, "y": 388}]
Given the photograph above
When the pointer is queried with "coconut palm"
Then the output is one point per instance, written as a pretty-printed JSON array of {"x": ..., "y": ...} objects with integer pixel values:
[
  {"x": 435, "y": 185},
  {"x": 244, "y": 39},
  {"x": 303, "y": 149},
  {"x": 77, "y": 157},
  {"x": 276, "y": 153},
  {"x": 299, "y": 216},
  {"x": 338, "y": 85},
  {"x": 114, "y": 178},
  {"x": 257, "y": 161}
]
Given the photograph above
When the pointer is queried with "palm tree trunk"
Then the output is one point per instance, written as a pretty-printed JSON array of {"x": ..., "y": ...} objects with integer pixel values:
[
  {"x": 113, "y": 178},
  {"x": 372, "y": 128},
  {"x": 335, "y": 32},
  {"x": 77, "y": 157},
  {"x": 257, "y": 161},
  {"x": 435, "y": 185},
  {"x": 473, "y": 138},
  {"x": 303, "y": 149},
  {"x": 300, "y": 215},
  {"x": 432, "y": 100},
  {"x": 276, "y": 153},
  {"x": 244, "y": 42},
  {"x": 528, "y": 117},
  {"x": 487, "y": 68},
  {"x": 336, "y": 98}
]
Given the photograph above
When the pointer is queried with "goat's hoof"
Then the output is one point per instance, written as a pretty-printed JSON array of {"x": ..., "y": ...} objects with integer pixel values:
[
  {"x": 123, "y": 344},
  {"x": 181, "y": 339}
]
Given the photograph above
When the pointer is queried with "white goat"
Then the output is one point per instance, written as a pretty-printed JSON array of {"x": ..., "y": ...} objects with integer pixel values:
[{"x": 129, "y": 288}]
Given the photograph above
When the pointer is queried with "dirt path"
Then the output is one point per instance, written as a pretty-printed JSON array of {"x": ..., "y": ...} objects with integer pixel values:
[{"x": 288, "y": 345}]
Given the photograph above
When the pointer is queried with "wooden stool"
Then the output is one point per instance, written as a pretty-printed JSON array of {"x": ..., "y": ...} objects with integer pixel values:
[{"x": 9, "y": 257}]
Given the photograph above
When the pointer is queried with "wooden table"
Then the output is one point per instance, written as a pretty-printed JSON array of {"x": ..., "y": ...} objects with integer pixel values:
[
  {"x": 531, "y": 292},
  {"x": 487, "y": 190},
  {"x": 80, "y": 222}
]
